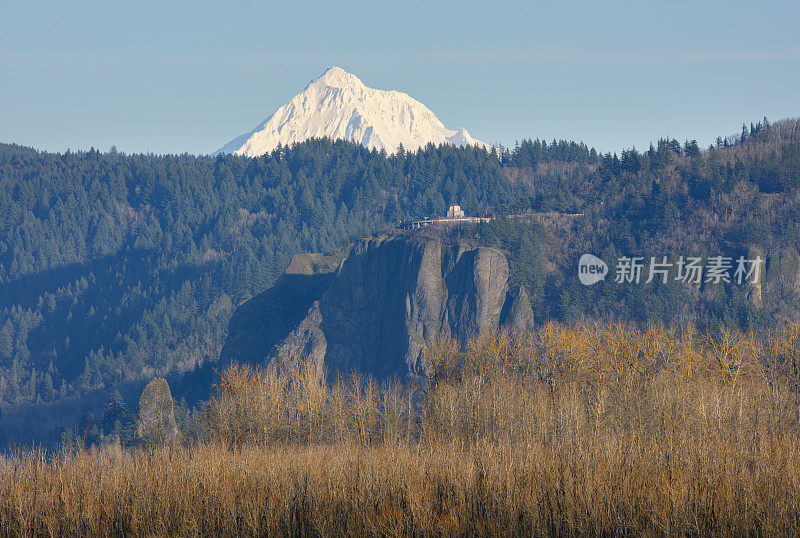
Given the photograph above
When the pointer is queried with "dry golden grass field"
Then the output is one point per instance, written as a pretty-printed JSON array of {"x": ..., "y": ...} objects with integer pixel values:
[{"x": 571, "y": 430}]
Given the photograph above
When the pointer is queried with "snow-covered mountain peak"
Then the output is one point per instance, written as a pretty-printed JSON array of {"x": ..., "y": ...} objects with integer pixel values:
[
  {"x": 338, "y": 105},
  {"x": 336, "y": 77}
]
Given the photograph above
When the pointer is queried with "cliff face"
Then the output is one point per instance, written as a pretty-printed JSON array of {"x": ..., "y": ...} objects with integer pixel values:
[
  {"x": 387, "y": 298},
  {"x": 264, "y": 321}
]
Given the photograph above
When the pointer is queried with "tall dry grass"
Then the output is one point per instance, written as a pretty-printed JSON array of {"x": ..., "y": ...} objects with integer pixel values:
[{"x": 576, "y": 430}]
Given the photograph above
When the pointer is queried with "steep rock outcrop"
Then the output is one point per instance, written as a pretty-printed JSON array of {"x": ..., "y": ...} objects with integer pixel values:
[
  {"x": 518, "y": 313},
  {"x": 390, "y": 296}
]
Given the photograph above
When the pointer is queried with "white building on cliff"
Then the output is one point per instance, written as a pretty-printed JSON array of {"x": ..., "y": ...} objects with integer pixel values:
[{"x": 455, "y": 212}]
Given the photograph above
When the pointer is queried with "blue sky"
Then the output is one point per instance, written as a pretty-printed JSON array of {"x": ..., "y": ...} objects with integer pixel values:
[{"x": 173, "y": 76}]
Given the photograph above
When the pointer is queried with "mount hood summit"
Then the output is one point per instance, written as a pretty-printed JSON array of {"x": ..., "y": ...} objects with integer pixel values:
[{"x": 338, "y": 105}]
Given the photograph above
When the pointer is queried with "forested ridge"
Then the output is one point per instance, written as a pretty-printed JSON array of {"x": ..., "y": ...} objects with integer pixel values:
[
  {"x": 739, "y": 197},
  {"x": 119, "y": 267},
  {"x": 115, "y": 267}
]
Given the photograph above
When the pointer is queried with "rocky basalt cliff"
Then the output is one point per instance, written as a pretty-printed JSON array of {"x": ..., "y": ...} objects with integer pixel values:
[{"x": 375, "y": 312}]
